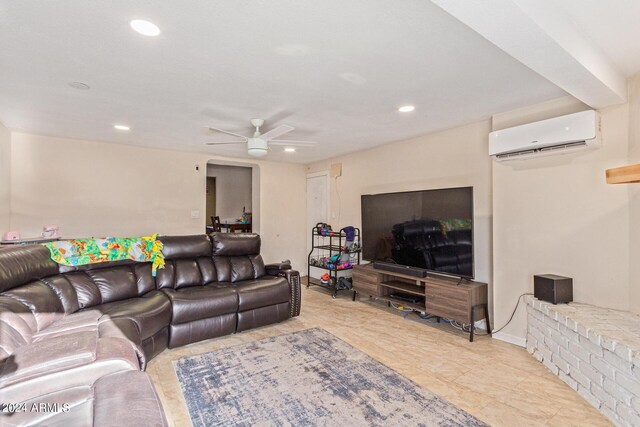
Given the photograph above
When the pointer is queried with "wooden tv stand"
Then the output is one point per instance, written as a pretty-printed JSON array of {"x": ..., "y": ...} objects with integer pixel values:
[{"x": 440, "y": 296}]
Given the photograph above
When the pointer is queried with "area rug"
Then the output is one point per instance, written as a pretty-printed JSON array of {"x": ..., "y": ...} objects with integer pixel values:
[{"x": 306, "y": 378}]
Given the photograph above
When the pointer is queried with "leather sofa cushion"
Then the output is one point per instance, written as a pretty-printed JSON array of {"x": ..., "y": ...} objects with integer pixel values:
[
  {"x": 262, "y": 292},
  {"x": 41, "y": 300},
  {"x": 237, "y": 268},
  {"x": 263, "y": 316},
  {"x": 186, "y": 333},
  {"x": 176, "y": 247},
  {"x": 114, "y": 284},
  {"x": 65, "y": 292},
  {"x": 78, "y": 400},
  {"x": 11, "y": 338},
  {"x": 234, "y": 244},
  {"x": 151, "y": 313},
  {"x": 131, "y": 390},
  {"x": 93, "y": 404},
  {"x": 17, "y": 316},
  {"x": 182, "y": 273},
  {"x": 21, "y": 264},
  {"x": 187, "y": 273},
  {"x": 137, "y": 279},
  {"x": 50, "y": 364},
  {"x": 126, "y": 330},
  {"x": 86, "y": 289},
  {"x": 201, "y": 302},
  {"x": 86, "y": 320}
]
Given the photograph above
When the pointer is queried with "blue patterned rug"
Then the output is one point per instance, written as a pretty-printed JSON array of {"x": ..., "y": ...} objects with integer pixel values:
[{"x": 306, "y": 378}]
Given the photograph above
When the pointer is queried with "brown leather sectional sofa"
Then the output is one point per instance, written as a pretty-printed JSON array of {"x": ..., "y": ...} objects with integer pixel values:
[{"x": 74, "y": 341}]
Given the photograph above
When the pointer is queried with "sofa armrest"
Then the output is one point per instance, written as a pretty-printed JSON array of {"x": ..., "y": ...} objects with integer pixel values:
[
  {"x": 293, "y": 277},
  {"x": 276, "y": 267}
]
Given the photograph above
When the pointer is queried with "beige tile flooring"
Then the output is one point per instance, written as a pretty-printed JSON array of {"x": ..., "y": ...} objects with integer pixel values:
[{"x": 497, "y": 382}]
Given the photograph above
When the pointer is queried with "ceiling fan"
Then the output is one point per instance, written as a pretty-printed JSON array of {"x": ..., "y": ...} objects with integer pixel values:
[{"x": 258, "y": 144}]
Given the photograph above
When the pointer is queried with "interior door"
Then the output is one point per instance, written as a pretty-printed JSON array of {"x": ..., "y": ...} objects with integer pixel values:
[{"x": 317, "y": 202}]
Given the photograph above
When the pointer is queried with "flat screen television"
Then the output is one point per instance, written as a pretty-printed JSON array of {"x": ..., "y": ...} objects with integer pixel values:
[{"x": 430, "y": 230}]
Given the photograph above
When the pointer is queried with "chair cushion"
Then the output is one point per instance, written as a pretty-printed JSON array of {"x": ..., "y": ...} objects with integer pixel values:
[
  {"x": 201, "y": 302},
  {"x": 151, "y": 313},
  {"x": 262, "y": 292}
]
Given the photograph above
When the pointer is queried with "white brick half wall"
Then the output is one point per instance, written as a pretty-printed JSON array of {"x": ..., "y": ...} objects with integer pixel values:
[{"x": 595, "y": 350}]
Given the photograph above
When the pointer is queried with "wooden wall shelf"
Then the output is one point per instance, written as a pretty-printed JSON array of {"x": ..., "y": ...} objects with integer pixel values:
[{"x": 623, "y": 175}]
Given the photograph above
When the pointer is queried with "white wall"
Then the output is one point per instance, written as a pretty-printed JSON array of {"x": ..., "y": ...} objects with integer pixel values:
[
  {"x": 634, "y": 195},
  {"x": 91, "y": 188},
  {"x": 558, "y": 215},
  {"x": 233, "y": 190},
  {"x": 551, "y": 215},
  {"x": 5, "y": 180},
  {"x": 452, "y": 158}
]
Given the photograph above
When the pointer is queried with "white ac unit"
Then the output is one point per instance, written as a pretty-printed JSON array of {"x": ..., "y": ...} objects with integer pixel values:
[{"x": 553, "y": 136}]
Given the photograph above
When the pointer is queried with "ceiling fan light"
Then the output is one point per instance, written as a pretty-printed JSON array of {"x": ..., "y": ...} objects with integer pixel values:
[
  {"x": 257, "y": 152},
  {"x": 257, "y": 147}
]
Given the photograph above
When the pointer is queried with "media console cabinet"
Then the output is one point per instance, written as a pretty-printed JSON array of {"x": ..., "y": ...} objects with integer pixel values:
[{"x": 440, "y": 296}]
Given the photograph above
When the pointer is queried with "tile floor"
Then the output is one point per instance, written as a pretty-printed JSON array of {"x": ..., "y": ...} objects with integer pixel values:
[{"x": 497, "y": 382}]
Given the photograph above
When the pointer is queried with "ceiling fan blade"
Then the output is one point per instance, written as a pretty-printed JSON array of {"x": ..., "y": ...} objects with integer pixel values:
[
  {"x": 292, "y": 142},
  {"x": 244, "y": 138},
  {"x": 224, "y": 143},
  {"x": 279, "y": 131}
]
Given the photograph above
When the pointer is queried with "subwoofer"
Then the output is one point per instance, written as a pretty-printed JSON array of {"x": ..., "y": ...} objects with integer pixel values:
[{"x": 553, "y": 288}]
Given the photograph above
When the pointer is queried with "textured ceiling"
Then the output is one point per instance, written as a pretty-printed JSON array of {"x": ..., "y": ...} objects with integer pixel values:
[{"x": 335, "y": 70}]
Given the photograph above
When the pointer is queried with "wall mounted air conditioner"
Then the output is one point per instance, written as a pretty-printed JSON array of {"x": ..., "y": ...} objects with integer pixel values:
[{"x": 553, "y": 136}]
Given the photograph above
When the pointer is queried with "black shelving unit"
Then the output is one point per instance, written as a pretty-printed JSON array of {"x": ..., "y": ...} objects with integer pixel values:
[{"x": 323, "y": 248}]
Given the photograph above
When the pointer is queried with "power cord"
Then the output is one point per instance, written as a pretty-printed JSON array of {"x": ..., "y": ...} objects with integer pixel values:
[{"x": 513, "y": 313}]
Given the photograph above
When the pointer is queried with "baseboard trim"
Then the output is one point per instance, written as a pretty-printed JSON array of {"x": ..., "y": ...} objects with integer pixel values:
[{"x": 511, "y": 339}]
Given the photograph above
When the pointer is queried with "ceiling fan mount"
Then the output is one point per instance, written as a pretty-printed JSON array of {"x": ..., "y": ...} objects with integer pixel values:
[
  {"x": 256, "y": 123},
  {"x": 258, "y": 144}
]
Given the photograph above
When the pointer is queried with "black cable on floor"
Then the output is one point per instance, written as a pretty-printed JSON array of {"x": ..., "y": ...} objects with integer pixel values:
[{"x": 511, "y": 317}]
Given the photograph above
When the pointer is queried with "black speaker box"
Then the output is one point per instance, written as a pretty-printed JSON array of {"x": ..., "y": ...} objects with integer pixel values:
[{"x": 553, "y": 288}]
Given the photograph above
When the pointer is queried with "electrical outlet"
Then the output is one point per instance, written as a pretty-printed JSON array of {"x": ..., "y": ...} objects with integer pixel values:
[{"x": 195, "y": 214}]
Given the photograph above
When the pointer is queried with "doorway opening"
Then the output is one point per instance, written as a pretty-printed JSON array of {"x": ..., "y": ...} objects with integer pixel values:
[{"x": 233, "y": 195}]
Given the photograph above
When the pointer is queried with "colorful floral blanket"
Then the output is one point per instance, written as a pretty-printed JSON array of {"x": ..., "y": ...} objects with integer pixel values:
[
  {"x": 91, "y": 251},
  {"x": 455, "y": 224}
]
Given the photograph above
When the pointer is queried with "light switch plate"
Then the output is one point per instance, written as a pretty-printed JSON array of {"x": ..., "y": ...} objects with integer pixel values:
[
  {"x": 195, "y": 214},
  {"x": 336, "y": 170}
]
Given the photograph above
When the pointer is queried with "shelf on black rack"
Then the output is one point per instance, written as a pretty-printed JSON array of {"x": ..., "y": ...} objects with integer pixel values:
[
  {"x": 331, "y": 269},
  {"x": 335, "y": 248},
  {"x": 318, "y": 282}
]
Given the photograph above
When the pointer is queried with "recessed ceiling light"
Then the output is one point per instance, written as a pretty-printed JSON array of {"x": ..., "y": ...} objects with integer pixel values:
[
  {"x": 79, "y": 85},
  {"x": 406, "y": 109},
  {"x": 145, "y": 28},
  {"x": 121, "y": 127},
  {"x": 290, "y": 150}
]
